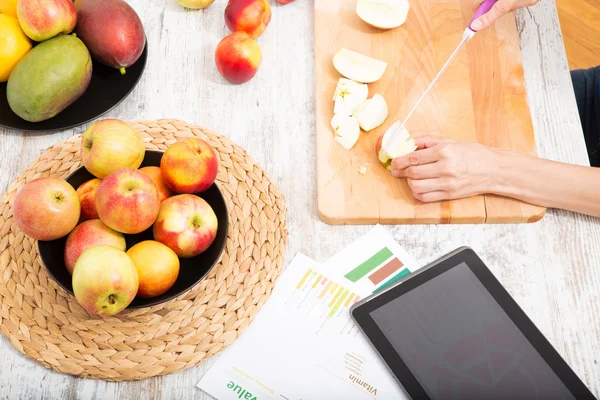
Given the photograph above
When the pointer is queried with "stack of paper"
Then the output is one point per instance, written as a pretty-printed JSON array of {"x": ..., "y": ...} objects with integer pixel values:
[{"x": 303, "y": 343}]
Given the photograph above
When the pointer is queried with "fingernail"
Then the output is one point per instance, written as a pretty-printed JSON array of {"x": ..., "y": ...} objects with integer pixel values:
[
  {"x": 396, "y": 173},
  {"x": 477, "y": 24}
]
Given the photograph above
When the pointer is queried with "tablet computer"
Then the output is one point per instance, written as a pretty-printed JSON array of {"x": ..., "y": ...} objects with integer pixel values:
[{"x": 451, "y": 331}]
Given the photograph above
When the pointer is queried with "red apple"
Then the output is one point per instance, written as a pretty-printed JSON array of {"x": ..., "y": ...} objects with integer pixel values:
[
  {"x": 189, "y": 166},
  {"x": 186, "y": 224},
  {"x": 46, "y": 208},
  {"x": 105, "y": 280},
  {"x": 285, "y": 1},
  {"x": 157, "y": 267},
  {"x": 156, "y": 175},
  {"x": 87, "y": 235},
  {"x": 109, "y": 145},
  {"x": 250, "y": 16},
  {"x": 127, "y": 201},
  {"x": 87, "y": 199},
  {"x": 44, "y": 19},
  {"x": 238, "y": 57}
]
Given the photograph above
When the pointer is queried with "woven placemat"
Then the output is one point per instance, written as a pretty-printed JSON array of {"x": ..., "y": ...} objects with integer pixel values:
[{"x": 47, "y": 324}]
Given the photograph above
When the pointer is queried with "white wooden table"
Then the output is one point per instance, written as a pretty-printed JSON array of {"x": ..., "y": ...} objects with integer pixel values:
[{"x": 552, "y": 268}]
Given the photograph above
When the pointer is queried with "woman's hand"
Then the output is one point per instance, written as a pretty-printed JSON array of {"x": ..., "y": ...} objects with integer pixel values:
[
  {"x": 443, "y": 169},
  {"x": 501, "y": 8}
]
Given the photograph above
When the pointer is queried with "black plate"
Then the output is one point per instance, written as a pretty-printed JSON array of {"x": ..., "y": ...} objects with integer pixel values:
[
  {"x": 107, "y": 89},
  {"x": 191, "y": 270}
]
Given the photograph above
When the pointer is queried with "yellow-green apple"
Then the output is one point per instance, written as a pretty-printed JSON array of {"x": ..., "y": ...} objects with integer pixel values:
[
  {"x": 358, "y": 67},
  {"x": 44, "y": 19},
  {"x": 402, "y": 144},
  {"x": 127, "y": 201},
  {"x": 87, "y": 199},
  {"x": 383, "y": 14},
  {"x": 250, "y": 16},
  {"x": 156, "y": 175},
  {"x": 195, "y": 4},
  {"x": 157, "y": 267},
  {"x": 105, "y": 280},
  {"x": 189, "y": 166},
  {"x": 87, "y": 235},
  {"x": 187, "y": 224},
  {"x": 109, "y": 145},
  {"x": 238, "y": 57},
  {"x": 46, "y": 208}
]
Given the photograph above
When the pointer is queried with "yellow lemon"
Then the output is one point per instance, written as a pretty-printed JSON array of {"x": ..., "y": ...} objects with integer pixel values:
[
  {"x": 8, "y": 7},
  {"x": 13, "y": 45}
]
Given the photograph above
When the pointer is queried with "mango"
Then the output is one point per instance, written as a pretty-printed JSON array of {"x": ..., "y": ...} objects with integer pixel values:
[
  {"x": 112, "y": 31},
  {"x": 49, "y": 78}
]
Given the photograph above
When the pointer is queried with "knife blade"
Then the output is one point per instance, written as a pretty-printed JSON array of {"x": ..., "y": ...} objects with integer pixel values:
[{"x": 468, "y": 34}]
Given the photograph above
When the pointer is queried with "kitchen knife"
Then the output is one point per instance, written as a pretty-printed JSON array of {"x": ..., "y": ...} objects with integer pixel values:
[{"x": 467, "y": 35}]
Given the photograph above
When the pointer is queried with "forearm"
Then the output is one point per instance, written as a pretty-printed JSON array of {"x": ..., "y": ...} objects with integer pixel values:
[{"x": 547, "y": 183}]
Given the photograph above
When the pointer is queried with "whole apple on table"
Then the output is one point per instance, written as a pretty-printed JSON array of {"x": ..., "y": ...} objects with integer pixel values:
[{"x": 122, "y": 200}]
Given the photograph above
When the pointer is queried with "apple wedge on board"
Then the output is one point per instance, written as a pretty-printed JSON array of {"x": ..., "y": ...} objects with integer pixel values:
[
  {"x": 358, "y": 67},
  {"x": 383, "y": 14},
  {"x": 349, "y": 95},
  {"x": 371, "y": 113},
  {"x": 346, "y": 130}
]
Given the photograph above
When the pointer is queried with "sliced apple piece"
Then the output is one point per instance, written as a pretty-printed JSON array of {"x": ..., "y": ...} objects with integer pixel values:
[
  {"x": 346, "y": 130},
  {"x": 371, "y": 113},
  {"x": 402, "y": 144},
  {"x": 358, "y": 67},
  {"x": 349, "y": 95},
  {"x": 383, "y": 14}
]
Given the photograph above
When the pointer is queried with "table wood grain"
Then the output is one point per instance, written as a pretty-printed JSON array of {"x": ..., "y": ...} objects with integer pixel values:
[{"x": 550, "y": 267}]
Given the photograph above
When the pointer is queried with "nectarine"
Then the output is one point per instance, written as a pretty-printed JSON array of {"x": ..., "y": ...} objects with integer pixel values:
[
  {"x": 250, "y": 16},
  {"x": 238, "y": 57}
]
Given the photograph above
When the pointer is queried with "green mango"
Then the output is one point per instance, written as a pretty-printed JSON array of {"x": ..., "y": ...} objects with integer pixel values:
[{"x": 49, "y": 78}]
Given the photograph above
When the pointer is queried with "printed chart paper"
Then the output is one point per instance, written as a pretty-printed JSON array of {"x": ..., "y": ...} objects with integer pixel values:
[
  {"x": 301, "y": 346},
  {"x": 371, "y": 263}
]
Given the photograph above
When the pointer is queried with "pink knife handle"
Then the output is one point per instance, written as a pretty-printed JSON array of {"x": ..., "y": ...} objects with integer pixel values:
[{"x": 483, "y": 9}]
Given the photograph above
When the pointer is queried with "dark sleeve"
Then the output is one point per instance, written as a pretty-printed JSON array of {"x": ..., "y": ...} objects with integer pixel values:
[{"x": 586, "y": 83}]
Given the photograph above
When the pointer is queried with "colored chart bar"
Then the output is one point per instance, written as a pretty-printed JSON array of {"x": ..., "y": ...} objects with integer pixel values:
[
  {"x": 396, "y": 278},
  {"x": 347, "y": 303},
  {"x": 338, "y": 303},
  {"x": 366, "y": 267},
  {"x": 386, "y": 271},
  {"x": 325, "y": 290},
  {"x": 317, "y": 281},
  {"x": 304, "y": 278},
  {"x": 339, "y": 292},
  {"x": 335, "y": 285}
]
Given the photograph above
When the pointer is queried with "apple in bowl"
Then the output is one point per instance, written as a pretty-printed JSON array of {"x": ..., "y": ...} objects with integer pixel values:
[
  {"x": 105, "y": 280},
  {"x": 187, "y": 224},
  {"x": 46, "y": 208},
  {"x": 87, "y": 199},
  {"x": 87, "y": 235},
  {"x": 127, "y": 201},
  {"x": 189, "y": 166}
]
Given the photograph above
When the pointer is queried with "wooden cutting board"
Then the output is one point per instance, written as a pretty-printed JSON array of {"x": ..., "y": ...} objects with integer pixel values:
[{"x": 481, "y": 97}]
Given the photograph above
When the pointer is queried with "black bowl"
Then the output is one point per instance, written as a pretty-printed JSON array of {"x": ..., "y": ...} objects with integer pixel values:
[
  {"x": 107, "y": 89},
  {"x": 191, "y": 270}
]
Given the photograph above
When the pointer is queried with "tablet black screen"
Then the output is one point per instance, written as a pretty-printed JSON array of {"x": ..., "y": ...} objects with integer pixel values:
[{"x": 460, "y": 344}]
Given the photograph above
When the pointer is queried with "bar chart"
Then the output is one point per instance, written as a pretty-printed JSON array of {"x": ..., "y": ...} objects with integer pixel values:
[
  {"x": 378, "y": 271},
  {"x": 370, "y": 264},
  {"x": 325, "y": 302}
]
